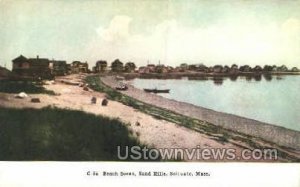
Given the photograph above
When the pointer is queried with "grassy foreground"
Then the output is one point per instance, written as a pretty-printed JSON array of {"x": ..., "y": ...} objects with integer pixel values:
[
  {"x": 61, "y": 135},
  {"x": 8, "y": 86}
]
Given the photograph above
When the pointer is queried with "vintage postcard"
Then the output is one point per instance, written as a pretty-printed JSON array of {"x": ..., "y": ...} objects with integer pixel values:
[{"x": 192, "y": 90}]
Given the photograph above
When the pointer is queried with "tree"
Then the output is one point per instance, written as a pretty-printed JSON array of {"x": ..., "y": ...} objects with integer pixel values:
[{"x": 117, "y": 66}]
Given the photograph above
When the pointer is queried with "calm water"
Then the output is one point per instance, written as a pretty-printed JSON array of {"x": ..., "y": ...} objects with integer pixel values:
[{"x": 275, "y": 101}]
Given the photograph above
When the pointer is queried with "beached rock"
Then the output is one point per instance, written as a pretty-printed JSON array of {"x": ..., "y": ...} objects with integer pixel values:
[
  {"x": 85, "y": 88},
  {"x": 94, "y": 100},
  {"x": 104, "y": 102},
  {"x": 35, "y": 100},
  {"x": 21, "y": 95}
]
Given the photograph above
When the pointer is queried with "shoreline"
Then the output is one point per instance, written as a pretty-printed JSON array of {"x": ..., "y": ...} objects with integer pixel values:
[
  {"x": 202, "y": 75},
  {"x": 269, "y": 132}
]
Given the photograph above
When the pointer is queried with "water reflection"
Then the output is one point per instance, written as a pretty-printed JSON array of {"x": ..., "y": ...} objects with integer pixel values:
[
  {"x": 257, "y": 77},
  {"x": 268, "y": 77},
  {"x": 218, "y": 80},
  {"x": 233, "y": 77}
]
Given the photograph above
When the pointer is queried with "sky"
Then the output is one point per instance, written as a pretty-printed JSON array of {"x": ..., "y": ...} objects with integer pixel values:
[{"x": 170, "y": 31}]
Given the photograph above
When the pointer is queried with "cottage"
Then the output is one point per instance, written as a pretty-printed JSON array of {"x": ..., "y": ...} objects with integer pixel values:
[
  {"x": 130, "y": 67},
  {"x": 4, "y": 73},
  {"x": 282, "y": 68},
  {"x": 245, "y": 68},
  {"x": 117, "y": 66},
  {"x": 143, "y": 69},
  {"x": 234, "y": 69},
  {"x": 59, "y": 67},
  {"x": 226, "y": 69},
  {"x": 217, "y": 69},
  {"x": 295, "y": 69},
  {"x": 101, "y": 66},
  {"x": 257, "y": 69},
  {"x": 79, "y": 67},
  {"x": 151, "y": 68},
  {"x": 32, "y": 67},
  {"x": 161, "y": 69}
]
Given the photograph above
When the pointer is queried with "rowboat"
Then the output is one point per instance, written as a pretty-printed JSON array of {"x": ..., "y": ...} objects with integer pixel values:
[{"x": 157, "y": 90}]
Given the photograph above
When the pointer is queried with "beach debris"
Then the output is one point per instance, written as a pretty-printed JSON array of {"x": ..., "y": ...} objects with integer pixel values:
[
  {"x": 137, "y": 123},
  {"x": 85, "y": 88},
  {"x": 35, "y": 100},
  {"x": 49, "y": 82},
  {"x": 70, "y": 82},
  {"x": 21, "y": 95},
  {"x": 104, "y": 102},
  {"x": 94, "y": 100}
]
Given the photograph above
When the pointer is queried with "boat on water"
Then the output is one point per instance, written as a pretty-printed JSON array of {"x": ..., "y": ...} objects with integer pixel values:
[{"x": 157, "y": 90}]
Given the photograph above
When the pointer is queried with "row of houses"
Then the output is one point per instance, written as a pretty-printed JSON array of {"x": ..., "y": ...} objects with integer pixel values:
[
  {"x": 45, "y": 68},
  {"x": 234, "y": 68},
  {"x": 116, "y": 66}
]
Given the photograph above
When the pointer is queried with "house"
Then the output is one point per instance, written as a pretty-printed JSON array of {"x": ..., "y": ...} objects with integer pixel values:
[
  {"x": 130, "y": 67},
  {"x": 226, "y": 69},
  {"x": 151, "y": 68},
  {"x": 144, "y": 69},
  {"x": 4, "y": 73},
  {"x": 202, "y": 68},
  {"x": 117, "y": 66},
  {"x": 217, "y": 69},
  {"x": 295, "y": 69},
  {"x": 184, "y": 66},
  {"x": 282, "y": 68},
  {"x": 257, "y": 69},
  {"x": 101, "y": 66},
  {"x": 268, "y": 68},
  {"x": 234, "y": 69},
  {"x": 245, "y": 68},
  {"x": 191, "y": 67},
  {"x": 58, "y": 67},
  {"x": 170, "y": 69},
  {"x": 32, "y": 67},
  {"x": 79, "y": 67},
  {"x": 161, "y": 69}
]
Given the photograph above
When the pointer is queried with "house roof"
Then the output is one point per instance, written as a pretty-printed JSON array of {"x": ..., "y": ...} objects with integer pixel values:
[
  {"x": 38, "y": 61},
  {"x": 20, "y": 58},
  {"x": 4, "y": 71}
]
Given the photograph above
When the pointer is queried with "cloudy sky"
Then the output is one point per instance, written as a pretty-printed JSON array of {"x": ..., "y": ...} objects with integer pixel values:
[{"x": 174, "y": 32}]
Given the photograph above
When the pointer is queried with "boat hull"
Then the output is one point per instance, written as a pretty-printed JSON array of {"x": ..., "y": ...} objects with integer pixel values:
[{"x": 157, "y": 91}]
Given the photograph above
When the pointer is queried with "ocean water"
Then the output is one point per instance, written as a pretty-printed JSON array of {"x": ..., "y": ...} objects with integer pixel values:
[{"x": 275, "y": 100}]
